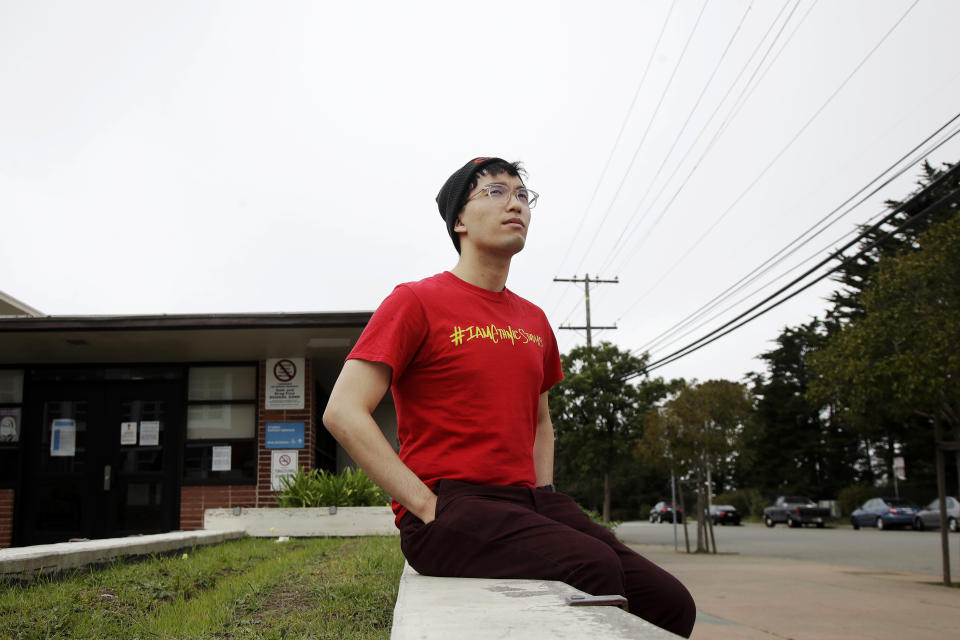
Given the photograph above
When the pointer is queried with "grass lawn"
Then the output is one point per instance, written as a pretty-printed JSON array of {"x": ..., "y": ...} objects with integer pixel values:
[{"x": 247, "y": 589}]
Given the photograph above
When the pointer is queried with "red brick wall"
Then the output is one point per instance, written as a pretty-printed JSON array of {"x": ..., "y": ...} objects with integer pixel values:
[
  {"x": 6, "y": 518},
  {"x": 193, "y": 501},
  {"x": 305, "y": 458}
]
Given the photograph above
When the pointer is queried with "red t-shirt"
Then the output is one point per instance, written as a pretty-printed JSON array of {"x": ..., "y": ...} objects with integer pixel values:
[{"x": 469, "y": 366}]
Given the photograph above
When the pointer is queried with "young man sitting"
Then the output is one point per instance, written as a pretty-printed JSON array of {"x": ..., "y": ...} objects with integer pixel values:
[{"x": 470, "y": 364}]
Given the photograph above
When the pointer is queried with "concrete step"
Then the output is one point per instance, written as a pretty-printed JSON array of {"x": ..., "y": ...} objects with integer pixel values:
[
  {"x": 430, "y": 608},
  {"x": 52, "y": 558}
]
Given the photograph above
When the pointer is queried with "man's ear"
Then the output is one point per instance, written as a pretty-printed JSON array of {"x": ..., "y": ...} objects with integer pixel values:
[{"x": 459, "y": 226}]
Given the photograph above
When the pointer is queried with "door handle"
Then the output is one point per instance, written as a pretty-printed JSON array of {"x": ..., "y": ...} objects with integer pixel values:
[{"x": 106, "y": 477}]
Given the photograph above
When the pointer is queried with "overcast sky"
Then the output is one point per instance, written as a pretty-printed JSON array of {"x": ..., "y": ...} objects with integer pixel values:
[{"x": 213, "y": 157}]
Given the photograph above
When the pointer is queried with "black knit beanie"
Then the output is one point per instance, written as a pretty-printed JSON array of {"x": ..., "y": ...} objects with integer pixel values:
[{"x": 453, "y": 193}]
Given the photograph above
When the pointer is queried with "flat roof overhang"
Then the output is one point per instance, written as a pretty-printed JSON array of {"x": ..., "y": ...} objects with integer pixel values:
[{"x": 324, "y": 337}]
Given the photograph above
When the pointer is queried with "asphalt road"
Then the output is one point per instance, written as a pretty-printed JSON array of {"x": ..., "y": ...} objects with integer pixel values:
[{"x": 887, "y": 550}]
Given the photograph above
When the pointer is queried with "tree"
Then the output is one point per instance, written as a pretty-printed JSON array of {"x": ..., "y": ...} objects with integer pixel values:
[
  {"x": 791, "y": 445},
  {"x": 934, "y": 197},
  {"x": 597, "y": 416},
  {"x": 903, "y": 353},
  {"x": 697, "y": 431}
]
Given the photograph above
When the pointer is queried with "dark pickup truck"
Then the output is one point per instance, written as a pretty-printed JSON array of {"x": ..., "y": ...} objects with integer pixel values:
[{"x": 796, "y": 511}]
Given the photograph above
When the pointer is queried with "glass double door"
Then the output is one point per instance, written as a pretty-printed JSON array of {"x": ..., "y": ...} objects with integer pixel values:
[{"x": 101, "y": 460}]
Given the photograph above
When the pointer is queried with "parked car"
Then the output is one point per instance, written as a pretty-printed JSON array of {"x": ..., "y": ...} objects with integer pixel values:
[
  {"x": 795, "y": 511},
  {"x": 884, "y": 513},
  {"x": 724, "y": 514},
  {"x": 663, "y": 512},
  {"x": 930, "y": 517}
]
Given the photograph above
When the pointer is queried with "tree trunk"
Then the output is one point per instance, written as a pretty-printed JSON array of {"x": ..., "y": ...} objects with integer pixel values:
[
  {"x": 942, "y": 492},
  {"x": 958, "y": 470},
  {"x": 713, "y": 540},
  {"x": 686, "y": 535},
  {"x": 701, "y": 531},
  {"x": 606, "y": 496},
  {"x": 706, "y": 518}
]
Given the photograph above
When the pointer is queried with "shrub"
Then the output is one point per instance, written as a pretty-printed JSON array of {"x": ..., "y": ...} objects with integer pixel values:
[
  {"x": 597, "y": 517},
  {"x": 320, "y": 488},
  {"x": 749, "y": 502},
  {"x": 852, "y": 497}
]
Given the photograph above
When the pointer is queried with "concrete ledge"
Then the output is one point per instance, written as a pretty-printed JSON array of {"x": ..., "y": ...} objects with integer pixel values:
[
  {"x": 431, "y": 608},
  {"x": 51, "y": 558},
  {"x": 304, "y": 522}
]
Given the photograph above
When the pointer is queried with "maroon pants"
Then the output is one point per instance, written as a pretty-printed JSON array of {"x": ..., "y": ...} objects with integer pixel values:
[{"x": 518, "y": 532}]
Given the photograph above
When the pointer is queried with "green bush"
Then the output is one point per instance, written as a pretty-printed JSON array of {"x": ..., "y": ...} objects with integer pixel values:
[
  {"x": 320, "y": 488},
  {"x": 749, "y": 502},
  {"x": 597, "y": 517},
  {"x": 853, "y": 497}
]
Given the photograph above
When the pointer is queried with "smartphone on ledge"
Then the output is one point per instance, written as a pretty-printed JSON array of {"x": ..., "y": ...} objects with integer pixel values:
[{"x": 584, "y": 600}]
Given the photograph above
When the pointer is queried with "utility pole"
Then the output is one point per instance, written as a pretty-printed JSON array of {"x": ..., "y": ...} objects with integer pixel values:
[{"x": 586, "y": 280}]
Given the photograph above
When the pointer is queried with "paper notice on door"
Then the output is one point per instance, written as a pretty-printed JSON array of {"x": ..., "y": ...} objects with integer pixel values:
[
  {"x": 149, "y": 433},
  {"x": 221, "y": 458},
  {"x": 128, "y": 433},
  {"x": 10, "y": 425},
  {"x": 63, "y": 438}
]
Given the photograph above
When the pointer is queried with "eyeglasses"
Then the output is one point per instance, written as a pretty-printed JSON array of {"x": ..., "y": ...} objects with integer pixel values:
[{"x": 501, "y": 194}]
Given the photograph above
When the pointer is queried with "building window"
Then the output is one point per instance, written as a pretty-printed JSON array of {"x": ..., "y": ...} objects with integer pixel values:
[
  {"x": 221, "y": 445},
  {"x": 11, "y": 425}
]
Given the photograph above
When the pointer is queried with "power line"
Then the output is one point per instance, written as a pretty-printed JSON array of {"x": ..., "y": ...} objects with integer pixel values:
[
  {"x": 623, "y": 126},
  {"x": 636, "y": 222},
  {"x": 787, "y": 251},
  {"x": 745, "y": 97},
  {"x": 635, "y": 227},
  {"x": 665, "y": 345},
  {"x": 664, "y": 341},
  {"x": 726, "y": 328},
  {"x": 774, "y": 160},
  {"x": 643, "y": 139},
  {"x": 688, "y": 350}
]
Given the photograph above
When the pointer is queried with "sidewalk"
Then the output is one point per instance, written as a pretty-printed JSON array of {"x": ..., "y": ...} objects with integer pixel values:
[{"x": 753, "y": 598}]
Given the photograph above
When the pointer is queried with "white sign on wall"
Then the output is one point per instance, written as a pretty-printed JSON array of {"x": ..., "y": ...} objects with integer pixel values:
[
  {"x": 285, "y": 383},
  {"x": 63, "y": 438},
  {"x": 220, "y": 458},
  {"x": 128, "y": 433},
  {"x": 149, "y": 433},
  {"x": 282, "y": 464}
]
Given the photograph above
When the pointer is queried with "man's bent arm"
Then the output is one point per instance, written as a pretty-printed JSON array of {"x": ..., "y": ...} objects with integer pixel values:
[
  {"x": 543, "y": 444},
  {"x": 349, "y": 417}
]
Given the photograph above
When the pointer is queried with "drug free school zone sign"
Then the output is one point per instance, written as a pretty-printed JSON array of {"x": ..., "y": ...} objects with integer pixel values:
[{"x": 285, "y": 383}]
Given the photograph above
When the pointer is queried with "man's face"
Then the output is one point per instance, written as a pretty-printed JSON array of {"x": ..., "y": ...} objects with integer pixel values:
[{"x": 492, "y": 226}]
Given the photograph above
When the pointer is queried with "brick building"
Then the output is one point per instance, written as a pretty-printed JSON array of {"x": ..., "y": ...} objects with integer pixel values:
[{"x": 120, "y": 425}]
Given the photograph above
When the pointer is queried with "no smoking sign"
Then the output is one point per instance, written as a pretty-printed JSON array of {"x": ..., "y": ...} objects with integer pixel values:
[
  {"x": 283, "y": 464},
  {"x": 285, "y": 370},
  {"x": 285, "y": 384}
]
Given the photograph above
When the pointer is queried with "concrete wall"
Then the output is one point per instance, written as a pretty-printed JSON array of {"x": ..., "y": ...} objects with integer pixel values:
[{"x": 305, "y": 522}]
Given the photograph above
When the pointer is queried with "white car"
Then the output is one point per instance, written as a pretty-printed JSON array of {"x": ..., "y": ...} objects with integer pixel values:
[{"x": 930, "y": 516}]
